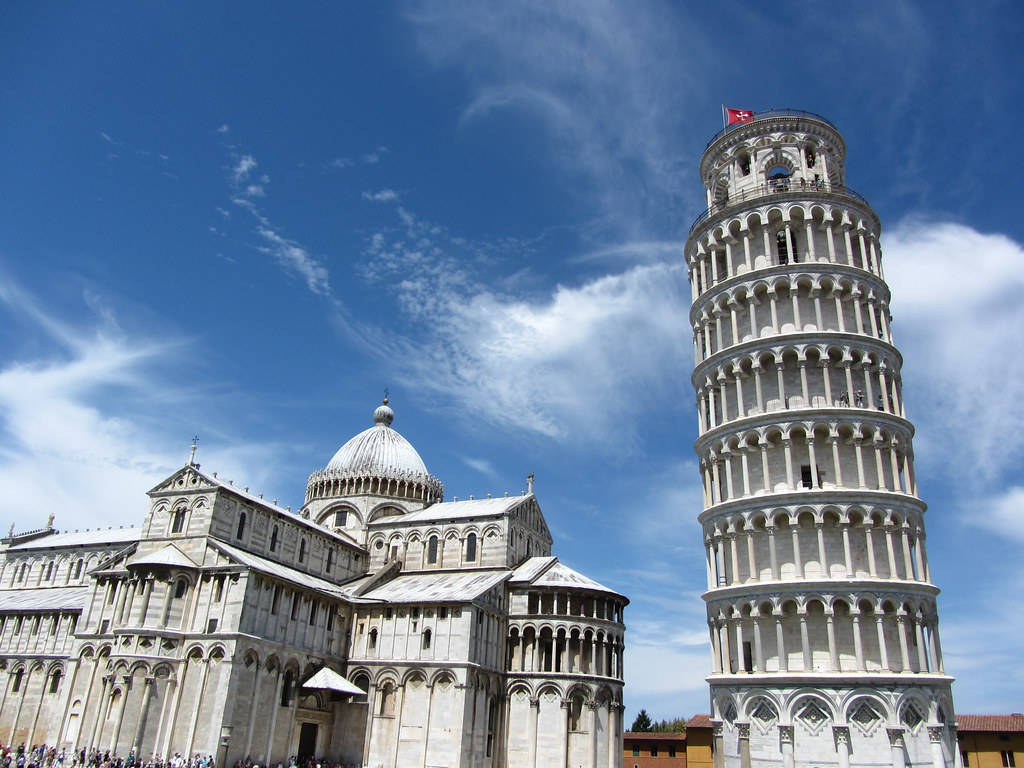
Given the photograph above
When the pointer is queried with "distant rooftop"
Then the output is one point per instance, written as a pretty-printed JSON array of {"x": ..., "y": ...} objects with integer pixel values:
[
  {"x": 1003, "y": 723},
  {"x": 83, "y": 538}
]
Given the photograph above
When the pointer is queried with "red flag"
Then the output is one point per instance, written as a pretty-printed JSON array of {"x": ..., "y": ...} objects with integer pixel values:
[{"x": 739, "y": 115}]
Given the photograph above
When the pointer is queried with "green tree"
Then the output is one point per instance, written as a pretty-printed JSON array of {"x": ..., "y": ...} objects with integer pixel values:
[{"x": 642, "y": 724}]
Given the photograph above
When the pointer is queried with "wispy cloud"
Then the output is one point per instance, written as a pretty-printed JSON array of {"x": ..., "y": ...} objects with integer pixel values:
[
  {"x": 593, "y": 75},
  {"x": 955, "y": 321},
  {"x": 482, "y": 466},
  {"x": 382, "y": 196},
  {"x": 223, "y": 128},
  {"x": 81, "y": 424},
  {"x": 242, "y": 168},
  {"x": 296, "y": 258}
]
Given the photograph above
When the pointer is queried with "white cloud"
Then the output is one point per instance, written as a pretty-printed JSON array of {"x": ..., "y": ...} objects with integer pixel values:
[
  {"x": 223, "y": 128},
  {"x": 482, "y": 466},
  {"x": 255, "y": 190},
  {"x": 245, "y": 164},
  {"x": 296, "y": 259},
  {"x": 592, "y": 73},
  {"x": 372, "y": 158},
  {"x": 957, "y": 320},
  {"x": 83, "y": 434},
  {"x": 383, "y": 196},
  {"x": 341, "y": 162},
  {"x": 1002, "y": 513}
]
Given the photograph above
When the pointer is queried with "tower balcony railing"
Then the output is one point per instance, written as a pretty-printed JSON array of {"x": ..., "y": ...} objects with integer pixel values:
[
  {"x": 769, "y": 113},
  {"x": 779, "y": 189}
]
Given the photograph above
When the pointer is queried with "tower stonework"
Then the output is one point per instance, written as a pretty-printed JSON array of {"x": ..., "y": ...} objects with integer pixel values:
[{"x": 821, "y": 609}]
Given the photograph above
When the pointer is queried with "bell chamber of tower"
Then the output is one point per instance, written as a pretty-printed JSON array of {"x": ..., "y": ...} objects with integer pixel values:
[{"x": 820, "y": 605}]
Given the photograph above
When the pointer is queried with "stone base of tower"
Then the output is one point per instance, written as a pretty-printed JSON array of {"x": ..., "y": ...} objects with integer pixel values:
[{"x": 814, "y": 724}]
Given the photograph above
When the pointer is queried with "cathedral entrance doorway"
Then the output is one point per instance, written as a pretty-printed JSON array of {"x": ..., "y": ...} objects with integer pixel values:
[{"x": 307, "y": 741}]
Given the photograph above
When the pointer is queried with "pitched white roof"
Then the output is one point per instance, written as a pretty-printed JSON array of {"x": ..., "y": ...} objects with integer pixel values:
[
  {"x": 169, "y": 555},
  {"x": 436, "y": 586},
  {"x": 529, "y": 569},
  {"x": 452, "y": 510},
  {"x": 95, "y": 538},
  {"x": 276, "y": 569},
  {"x": 559, "y": 575},
  {"x": 330, "y": 680},
  {"x": 45, "y": 599}
]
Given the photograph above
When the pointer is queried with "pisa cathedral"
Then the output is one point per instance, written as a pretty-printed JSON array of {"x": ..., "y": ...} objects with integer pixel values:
[
  {"x": 820, "y": 605},
  {"x": 378, "y": 626}
]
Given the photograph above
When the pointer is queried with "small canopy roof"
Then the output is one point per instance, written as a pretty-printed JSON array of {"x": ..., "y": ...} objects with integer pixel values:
[{"x": 328, "y": 679}]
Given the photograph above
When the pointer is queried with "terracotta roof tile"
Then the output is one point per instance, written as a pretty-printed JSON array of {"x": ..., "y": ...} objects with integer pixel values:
[
  {"x": 652, "y": 736},
  {"x": 699, "y": 721},
  {"x": 1006, "y": 723}
]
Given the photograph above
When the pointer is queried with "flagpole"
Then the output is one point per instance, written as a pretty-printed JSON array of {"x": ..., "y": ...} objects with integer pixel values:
[{"x": 724, "y": 126}]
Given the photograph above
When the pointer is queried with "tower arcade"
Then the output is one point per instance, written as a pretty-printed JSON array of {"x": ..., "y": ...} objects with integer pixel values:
[{"x": 821, "y": 609}]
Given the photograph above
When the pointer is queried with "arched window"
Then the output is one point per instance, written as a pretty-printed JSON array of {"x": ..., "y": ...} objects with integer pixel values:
[
  {"x": 241, "y": 526},
  {"x": 362, "y": 682},
  {"x": 312, "y": 612},
  {"x": 576, "y": 713},
  {"x": 330, "y": 560},
  {"x": 432, "y": 550},
  {"x": 49, "y": 570},
  {"x": 286, "y": 688},
  {"x": 302, "y": 550},
  {"x": 296, "y": 601},
  {"x": 78, "y": 568},
  {"x": 55, "y": 681},
  {"x": 745, "y": 164},
  {"x": 273, "y": 539},
  {"x": 471, "y": 547},
  {"x": 16, "y": 685},
  {"x": 373, "y": 638},
  {"x": 782, "y": 247},
  {"x": 387, "y": 700},
  {"x": 341, "y": 518},
  {"x": 809, "y": 154},
  {"x": 426, "y": 639},
  {"x": 180, "y": 587},
  {"x": 178, "y": 520}
]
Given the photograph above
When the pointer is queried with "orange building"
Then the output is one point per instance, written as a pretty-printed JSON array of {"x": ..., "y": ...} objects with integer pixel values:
[
  {"x": 991, "y": 741},
  {"x": 654, "y": 750}
]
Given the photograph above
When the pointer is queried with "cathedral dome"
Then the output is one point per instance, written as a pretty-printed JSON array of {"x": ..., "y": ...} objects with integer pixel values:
[
  {"x": 377, "y": 461},
  {"x": 379, "y": 449}
]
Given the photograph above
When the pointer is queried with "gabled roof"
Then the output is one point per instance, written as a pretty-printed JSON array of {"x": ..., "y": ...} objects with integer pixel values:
[
  {"x": 454, "y": 510},
  {"x": 98, "y": 537},
  {"x": 277, "y": 570},
  {"x": 169, "y": 555},
  {"x": 1003, "y": 723},
  {"x": 255, "y": 499},
  {"x": 432, "y": 586},
  {"x": 328, "y": 679},
  {"x": 44, "y": 599}
]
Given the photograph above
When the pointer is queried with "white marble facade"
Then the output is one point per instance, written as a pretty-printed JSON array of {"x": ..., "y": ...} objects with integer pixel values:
[
  {"x": 821, "y": 610},
  {"x": 196, "y": 631}
]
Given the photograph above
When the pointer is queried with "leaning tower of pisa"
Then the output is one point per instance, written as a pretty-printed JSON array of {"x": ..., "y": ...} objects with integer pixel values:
[{"x": 822, "y": 613}]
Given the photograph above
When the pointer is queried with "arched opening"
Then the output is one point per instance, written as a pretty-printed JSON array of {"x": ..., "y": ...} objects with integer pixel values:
[
  {"x": 241, "y": 526},
  {"x": 302, "y": 550},
  {"x": 426, "y": 639},
  {"x": 273, "y": 539},
  {"x": 471, "y": 548},
  {"x": 432, "y": 550},
  {"x": 178, "y": 520}
]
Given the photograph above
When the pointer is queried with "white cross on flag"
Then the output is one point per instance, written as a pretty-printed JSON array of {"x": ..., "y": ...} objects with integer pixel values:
[{"x": 739, "y": 115}]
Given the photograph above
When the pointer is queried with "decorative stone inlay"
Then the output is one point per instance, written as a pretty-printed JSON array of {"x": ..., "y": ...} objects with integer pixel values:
[
  {"x": 865, "y": 717},
  {"x": 935, "y": 733},
  {"x": 730, "y": 713},
  {"x": 786, "y": 734},
  {"x": 765, "y": 712},
  {"x": 812, "y": 715},
  {"x": 911, "y": 716}
]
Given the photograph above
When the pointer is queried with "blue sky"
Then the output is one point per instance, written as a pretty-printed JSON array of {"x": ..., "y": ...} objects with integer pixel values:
[{"x": 246, "y": 222}]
